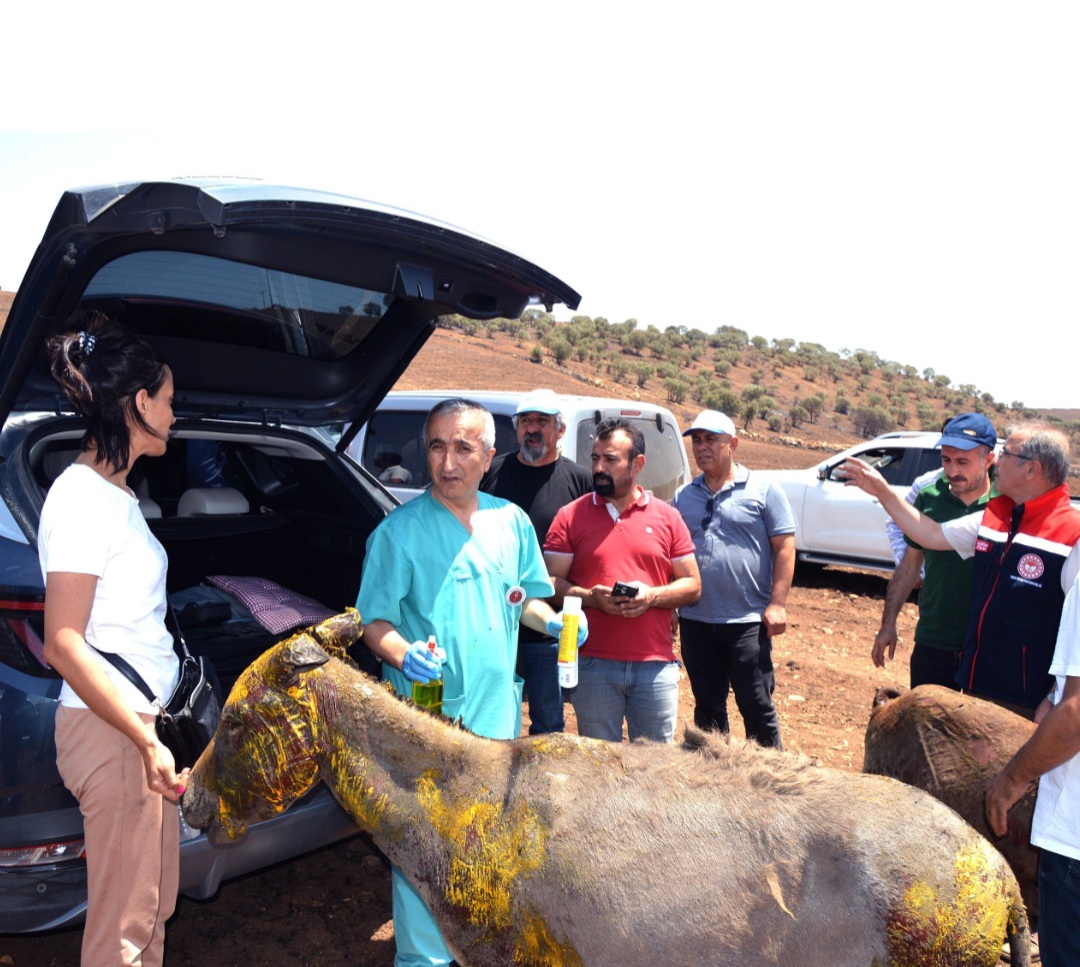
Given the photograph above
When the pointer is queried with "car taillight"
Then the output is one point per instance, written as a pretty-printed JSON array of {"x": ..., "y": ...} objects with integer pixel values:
[
  {"x": 22, "y": 619},
  {"x": 44, "y": 854}
]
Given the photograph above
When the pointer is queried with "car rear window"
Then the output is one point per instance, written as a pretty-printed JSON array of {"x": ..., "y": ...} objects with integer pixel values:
[
  {"x": 663, "y": 472},
  {"x": 256, "y": 306},
  {"x": 394, "y": 446}
]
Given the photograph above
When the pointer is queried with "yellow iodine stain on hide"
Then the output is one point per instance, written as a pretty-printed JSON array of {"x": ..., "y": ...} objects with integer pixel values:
[
  {"x": 489, "y": 850},
  {"x": 934, "y": 931},
  {"x": 562, "y": 744},
  {"x": 538, "y": 948},
  {"x": 275, "y": 759},
  {"x": 355, "y": 786}
]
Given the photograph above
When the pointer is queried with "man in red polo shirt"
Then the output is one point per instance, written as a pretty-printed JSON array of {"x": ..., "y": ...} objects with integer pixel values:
[{"x": 622, "y": 535}]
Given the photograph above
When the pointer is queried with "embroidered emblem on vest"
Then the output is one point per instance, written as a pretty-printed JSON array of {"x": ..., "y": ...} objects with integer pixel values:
[
  {"x": 982, "y": 545},
  {"x": 1030, "y": 567}
]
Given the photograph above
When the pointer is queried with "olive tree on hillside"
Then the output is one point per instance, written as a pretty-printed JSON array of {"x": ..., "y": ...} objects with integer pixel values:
[
  {"x": 871, "y": 420},
  {"x": 813, "y": 406}
]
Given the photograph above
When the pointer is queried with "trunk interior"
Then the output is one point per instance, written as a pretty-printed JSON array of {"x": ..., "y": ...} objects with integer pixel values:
[{"x": 275, "y": 508}]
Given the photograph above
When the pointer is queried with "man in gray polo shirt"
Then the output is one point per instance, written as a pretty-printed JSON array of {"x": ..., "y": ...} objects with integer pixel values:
[{"x": 744, "y": 537}]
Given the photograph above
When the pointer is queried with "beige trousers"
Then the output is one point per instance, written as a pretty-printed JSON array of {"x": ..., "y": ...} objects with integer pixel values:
[{"x": 132, "y": 842}]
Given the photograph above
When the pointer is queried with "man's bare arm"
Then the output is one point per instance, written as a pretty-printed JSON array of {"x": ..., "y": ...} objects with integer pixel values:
[
  {"x": 386, "y": 642},
  {"x": 536, "y": 613},
  {"x": 783, "y": 573},
  {"x": 921, "y": 529},
  {"x": 1056, "y": 740},
  {"x": 901, "y": 584}
]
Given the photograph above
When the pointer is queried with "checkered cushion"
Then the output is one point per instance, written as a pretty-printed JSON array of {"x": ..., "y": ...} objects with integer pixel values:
[{"x": 276, "y": 608}]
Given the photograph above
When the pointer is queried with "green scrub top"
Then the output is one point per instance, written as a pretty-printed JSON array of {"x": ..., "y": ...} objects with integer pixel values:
[{"x": 426, "y": 575}]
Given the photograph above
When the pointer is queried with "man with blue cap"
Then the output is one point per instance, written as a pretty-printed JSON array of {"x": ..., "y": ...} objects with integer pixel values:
[{"x": 962, "y": 487}]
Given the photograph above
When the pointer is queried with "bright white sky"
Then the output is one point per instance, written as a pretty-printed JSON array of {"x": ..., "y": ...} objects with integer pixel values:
[{"x": 903, "y": 178}]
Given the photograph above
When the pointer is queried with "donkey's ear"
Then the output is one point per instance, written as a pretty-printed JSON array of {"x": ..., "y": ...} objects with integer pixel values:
[
  {"x": 337, "y": 633},
  {"x": 300, "y": 653}
]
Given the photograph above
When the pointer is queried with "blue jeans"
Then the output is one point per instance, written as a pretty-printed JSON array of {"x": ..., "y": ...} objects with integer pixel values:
[
  {"x": 538, "y": 664},
  {"x": 646, "y": 693},
  {"x": 1059, "y": 910},
  {"x": 735, "y": 657}
]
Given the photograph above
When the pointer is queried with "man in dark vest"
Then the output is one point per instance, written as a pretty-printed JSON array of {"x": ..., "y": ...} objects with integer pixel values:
[{"x": 1026, "y": 558}]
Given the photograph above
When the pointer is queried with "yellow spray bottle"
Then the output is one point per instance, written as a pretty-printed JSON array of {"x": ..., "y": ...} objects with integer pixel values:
[{"x": 568, "y": 650}]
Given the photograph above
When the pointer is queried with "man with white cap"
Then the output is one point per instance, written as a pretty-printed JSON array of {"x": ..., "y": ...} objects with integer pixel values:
[
  {"x": 744, "y": 539},
  {"x": 539, "y": 480}
]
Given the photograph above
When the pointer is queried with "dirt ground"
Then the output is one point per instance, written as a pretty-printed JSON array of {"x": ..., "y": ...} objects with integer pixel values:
[{"x": 332, "y": 908}]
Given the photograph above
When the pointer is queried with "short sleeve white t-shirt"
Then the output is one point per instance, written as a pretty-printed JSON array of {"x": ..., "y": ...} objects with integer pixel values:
[
  {"x": 962, "y": 533},
  {"x": 90, "y": 526},
  {"x": 1055, "y": 824}
]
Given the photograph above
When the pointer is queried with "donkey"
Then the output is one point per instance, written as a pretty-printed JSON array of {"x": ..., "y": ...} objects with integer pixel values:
[
  {"x": 559, "y": 850},
  {"x": 952, "y": 745}
]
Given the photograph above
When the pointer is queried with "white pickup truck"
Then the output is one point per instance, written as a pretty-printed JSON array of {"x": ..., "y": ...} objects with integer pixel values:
[{"x": 837, "y": 524}]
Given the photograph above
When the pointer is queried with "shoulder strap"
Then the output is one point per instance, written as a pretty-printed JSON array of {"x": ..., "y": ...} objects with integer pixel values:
[
  {"x": 121, "y": 665},
  {"x": 178, "y": 635}
]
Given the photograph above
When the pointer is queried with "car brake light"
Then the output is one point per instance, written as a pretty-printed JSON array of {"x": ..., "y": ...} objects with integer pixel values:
[
  {"x": 629, "y": 412},
  {"x": 43, "y": 854},
  {"x": 21, "y": 627},
  {"x": 22, "y": 605}
]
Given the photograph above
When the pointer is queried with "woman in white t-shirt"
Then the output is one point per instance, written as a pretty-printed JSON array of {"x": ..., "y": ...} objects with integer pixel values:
[{"x": 105, "y": 590}]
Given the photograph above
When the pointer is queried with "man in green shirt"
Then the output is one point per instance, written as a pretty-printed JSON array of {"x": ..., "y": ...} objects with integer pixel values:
[{"x": 967, "y": 453}]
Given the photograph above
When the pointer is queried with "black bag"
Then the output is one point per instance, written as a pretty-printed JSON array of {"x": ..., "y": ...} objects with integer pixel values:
[{"x": 188, "y": 720}]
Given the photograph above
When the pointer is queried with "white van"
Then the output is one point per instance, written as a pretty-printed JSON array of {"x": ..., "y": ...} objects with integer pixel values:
[{"x": 390, "y": 446}]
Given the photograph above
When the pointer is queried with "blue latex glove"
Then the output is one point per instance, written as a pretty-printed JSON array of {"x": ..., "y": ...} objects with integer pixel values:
[
  {"x": 554, "y": 627},
  {"x": 421, "y": 665}
]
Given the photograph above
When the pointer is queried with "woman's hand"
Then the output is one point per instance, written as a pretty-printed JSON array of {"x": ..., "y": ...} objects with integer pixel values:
[{"x": 161, "y": 775}]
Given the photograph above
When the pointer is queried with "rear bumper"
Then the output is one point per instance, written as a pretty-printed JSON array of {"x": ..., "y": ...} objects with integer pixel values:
[
  {"x": 34, "y": 899},
  {"x": 314, "y": 822}
]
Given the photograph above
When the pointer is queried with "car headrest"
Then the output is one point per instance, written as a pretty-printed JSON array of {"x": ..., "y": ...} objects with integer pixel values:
[
  {"x": 57, "y": 461},
  {"x": 151, "y": 509},
  {"x": 211, "y": 500}
]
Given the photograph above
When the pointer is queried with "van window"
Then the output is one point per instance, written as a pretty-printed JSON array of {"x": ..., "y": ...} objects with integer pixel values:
[
  {"x": 394, "y": 446},
  {"x": 663, "y": 473}
]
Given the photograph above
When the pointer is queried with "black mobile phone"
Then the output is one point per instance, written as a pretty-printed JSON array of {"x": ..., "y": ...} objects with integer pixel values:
[{"x": 620, "y": 590}]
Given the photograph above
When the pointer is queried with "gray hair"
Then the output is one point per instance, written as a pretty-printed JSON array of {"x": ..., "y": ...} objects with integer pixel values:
[
  {"x": 458, "y": 404},
  {"x": 1049, "y": 446}
]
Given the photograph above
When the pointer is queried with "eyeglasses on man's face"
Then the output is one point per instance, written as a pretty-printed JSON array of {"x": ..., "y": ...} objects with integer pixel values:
[{"x": 1016, "y": 456}]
